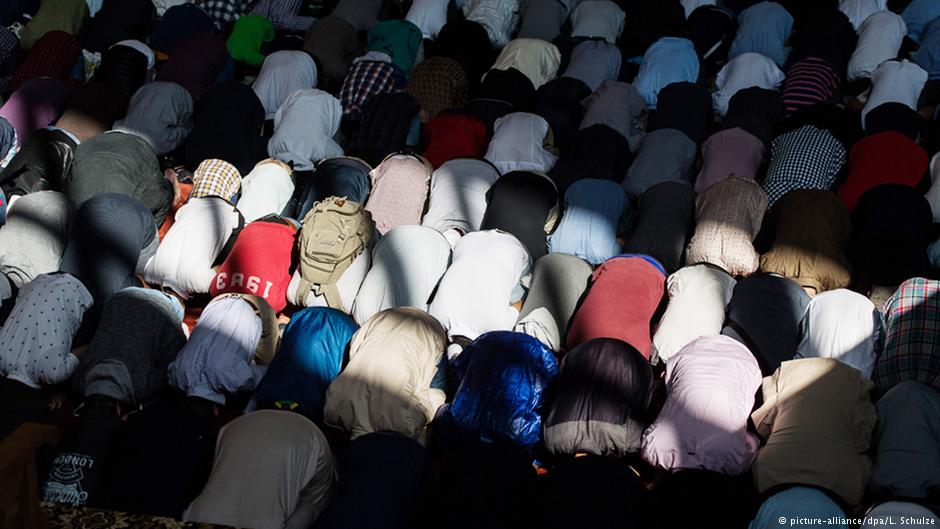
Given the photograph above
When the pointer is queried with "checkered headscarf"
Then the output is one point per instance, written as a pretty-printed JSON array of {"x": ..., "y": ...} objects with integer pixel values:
[{"x": 216, "y": 178}]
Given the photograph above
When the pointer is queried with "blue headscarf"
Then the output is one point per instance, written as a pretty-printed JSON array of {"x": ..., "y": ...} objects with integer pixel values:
[{"x": 588, "y": 228}]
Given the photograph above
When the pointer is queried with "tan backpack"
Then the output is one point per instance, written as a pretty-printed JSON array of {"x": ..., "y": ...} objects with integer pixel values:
[{"x": 333, "y": 234}]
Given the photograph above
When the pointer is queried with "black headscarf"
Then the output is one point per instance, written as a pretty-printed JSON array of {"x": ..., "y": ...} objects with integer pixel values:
[
  {"x": 595, "y": 152},
  {"x": 227, "y": 125},
  {"x": 890, "y": 233},
  {"x": 649, "y": 20},
  {"x": 118, "y": 20},
  {"x": 195, "y": 63},
  {"x": 502, "y": 92},
  {"x": 386, "y": 122},
  {"x": 179, "y": 22},
  {"x": 122, "y": 67},
  {"x": 825, "y": 33},
  {"x": 466, "y": 42},
  {"x": 757, "y": 111},
  {"x": 665, "y": 222},
  {"x": 110, "y": 232},
  {"x": 559, "y": 102},
  {"x": 520, "y": 203},
  {"x": 686, "y": 107},
  {"x": 764, "y": 314},
  {"x": 385, "y": 471},
  {"x": 711, "y": 30},
  {"x": 894, "y": 116}
]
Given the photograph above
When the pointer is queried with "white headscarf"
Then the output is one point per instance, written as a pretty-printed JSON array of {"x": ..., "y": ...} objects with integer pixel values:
[
  {"x": 304, "y": 127},
  {"x": 745, "y": 71},
  {"x": 518, "y": 144},
  {"x": 283, "y": 73}
]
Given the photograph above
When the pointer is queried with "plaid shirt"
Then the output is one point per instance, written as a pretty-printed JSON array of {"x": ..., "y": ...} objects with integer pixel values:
[
  {"x": 53, "y": 55},
  {"x": 224, "y": 12},
  {"x": 365, "y": 80},
  {"x": 283, "y": 14},
  {"x": 216, "y": 178},
  {"x": 912, "y": 341}
]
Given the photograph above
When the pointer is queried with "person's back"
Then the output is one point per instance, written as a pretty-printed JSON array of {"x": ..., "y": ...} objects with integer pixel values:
[{"x": 273, "y": 470}]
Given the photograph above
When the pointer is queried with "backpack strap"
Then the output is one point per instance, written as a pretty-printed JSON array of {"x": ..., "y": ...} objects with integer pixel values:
[{"x": 331, "y": 294}]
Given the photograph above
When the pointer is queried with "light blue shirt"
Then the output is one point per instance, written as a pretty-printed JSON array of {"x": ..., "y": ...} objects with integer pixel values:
[
  {"x": 669, "y": 60},
  {"x": 588, "y": 227}
]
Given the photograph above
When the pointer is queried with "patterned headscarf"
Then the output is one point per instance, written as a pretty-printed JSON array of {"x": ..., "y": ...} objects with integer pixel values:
[{"x": 216, "y": 178}]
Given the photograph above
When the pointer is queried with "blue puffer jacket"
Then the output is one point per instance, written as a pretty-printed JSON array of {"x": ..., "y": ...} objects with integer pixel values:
[
  {"x": 503, "y": 376},
  {"x": 310, "y": 357}
]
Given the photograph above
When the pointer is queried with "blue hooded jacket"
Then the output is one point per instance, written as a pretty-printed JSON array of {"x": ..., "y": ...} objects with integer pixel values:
[
  {"x": 310, "y": 357},
  {"x": 503, "y": 376}
]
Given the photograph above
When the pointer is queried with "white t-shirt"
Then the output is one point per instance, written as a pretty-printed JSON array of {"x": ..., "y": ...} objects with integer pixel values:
[
  {"x": 744, "y": 71},
  {"x": 429, "y": 15},
  {"x": 879, "y": 39},
  {"x": 698, "y": 295},
  {"x": 518, "y": 144},
  {"x": 895, "y": 82},
  {"x": 266, "y": 190},
  {"x": 184, "y": 259},
  {"x": 842, "y": 325},
  {"x": 407, "y": 264},
  {"x": 458, "y": 195},
  {"x": 475, "y": 293},
  {"x": 859, "y": 10}
]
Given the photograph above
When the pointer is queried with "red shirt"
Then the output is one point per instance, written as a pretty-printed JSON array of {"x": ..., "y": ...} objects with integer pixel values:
[
  {"x": 883, "y": 158},
  {"x": 259, "y": 264},
  {"x": 455, "y": 136},
  {"x": 624, "y": 294}
]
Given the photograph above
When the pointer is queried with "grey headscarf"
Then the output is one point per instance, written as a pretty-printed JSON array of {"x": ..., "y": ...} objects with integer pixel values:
[{"x": 161, "y": 113}]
